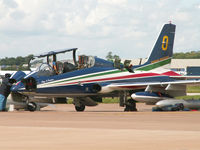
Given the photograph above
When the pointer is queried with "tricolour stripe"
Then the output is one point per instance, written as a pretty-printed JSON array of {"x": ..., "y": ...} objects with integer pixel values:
[{"x": 154, "y": 65}]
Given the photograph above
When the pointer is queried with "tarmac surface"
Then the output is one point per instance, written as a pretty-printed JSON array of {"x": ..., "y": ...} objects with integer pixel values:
[{"x": 105, "y": 127}]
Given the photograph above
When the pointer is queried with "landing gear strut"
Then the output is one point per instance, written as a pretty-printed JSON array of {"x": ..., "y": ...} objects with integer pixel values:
[{"x": 130, "y": 105}]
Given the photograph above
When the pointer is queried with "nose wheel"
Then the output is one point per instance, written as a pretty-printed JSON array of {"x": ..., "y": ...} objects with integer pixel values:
[
  {"x": 32, "y": 106},
  {"x": 130, "y": 105}
]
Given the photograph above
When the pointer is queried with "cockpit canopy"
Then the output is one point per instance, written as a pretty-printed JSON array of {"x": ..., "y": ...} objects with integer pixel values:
[
  {"x": 53, "y": 62},
  {"x": 57, "y": 62}
]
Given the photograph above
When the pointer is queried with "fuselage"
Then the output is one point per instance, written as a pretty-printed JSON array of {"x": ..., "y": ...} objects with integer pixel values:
[{"x": 81, "y": 82}]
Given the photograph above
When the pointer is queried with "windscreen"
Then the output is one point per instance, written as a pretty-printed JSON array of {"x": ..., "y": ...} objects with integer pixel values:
[{"x": 35, "y": 63}]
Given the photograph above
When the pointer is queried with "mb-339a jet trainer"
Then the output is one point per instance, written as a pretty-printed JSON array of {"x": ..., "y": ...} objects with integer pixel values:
[{"x": 89, "y": 78}]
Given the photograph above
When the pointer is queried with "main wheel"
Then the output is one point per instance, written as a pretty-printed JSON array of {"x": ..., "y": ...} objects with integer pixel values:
[
  {"x": 127, "y": 108},
  {"x": 130, "y": 105},
  {"x": 80, "y": 108}
]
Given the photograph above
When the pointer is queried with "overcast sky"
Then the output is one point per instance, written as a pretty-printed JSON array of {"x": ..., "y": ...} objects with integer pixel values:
[{"x": 128, "y": 28}]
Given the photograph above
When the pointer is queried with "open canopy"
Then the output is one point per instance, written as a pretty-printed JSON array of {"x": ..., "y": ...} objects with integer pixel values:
[{"x": 55, "y": 52}]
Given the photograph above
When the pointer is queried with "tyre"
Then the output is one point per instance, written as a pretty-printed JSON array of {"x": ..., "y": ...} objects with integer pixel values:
[
  {"x": 131, "y": 105},
  {"x": 127, "y": 108},
  {"x": 80, "y": 108},
  {"x": 32, "y": 106}
]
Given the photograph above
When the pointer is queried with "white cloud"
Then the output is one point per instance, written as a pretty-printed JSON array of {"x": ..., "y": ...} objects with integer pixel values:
[
  {"x": 97, "y": 15},
  {"x": 95, "y": 26},
  {"x": 181, "y": 16},
  {"x": 113, "y": 2},
  {"x": 10, "y": 3}
]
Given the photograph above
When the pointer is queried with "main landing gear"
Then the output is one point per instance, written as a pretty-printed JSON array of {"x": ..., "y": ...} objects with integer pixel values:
[
  {"x": 80, "y": 108},
  {"x": 130, "y": 105},
  {"x": 79, "y": 104}
]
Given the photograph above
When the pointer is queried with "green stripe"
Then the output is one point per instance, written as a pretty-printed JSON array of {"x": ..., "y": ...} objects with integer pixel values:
[
  {"x": 89, "y": 76},
  {"x": 154, "y": 65}
]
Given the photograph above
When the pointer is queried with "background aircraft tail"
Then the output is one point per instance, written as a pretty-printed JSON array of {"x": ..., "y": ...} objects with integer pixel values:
[{"x": 162, "y": 51}]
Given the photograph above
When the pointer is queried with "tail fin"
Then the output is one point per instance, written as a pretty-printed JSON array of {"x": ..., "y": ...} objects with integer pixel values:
[
  {"x": 162, "y": 51},
  {"x": 164, "y": 44}
]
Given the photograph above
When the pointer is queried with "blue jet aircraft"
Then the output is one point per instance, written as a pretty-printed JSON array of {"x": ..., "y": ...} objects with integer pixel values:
[{"x": 89, "y": 78}]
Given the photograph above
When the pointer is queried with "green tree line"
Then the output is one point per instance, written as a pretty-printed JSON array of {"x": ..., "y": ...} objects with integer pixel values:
[
  {"x": 181, "y": 55},
  {"x": 187, "y": 55},
  {"x": 112, "y": 57},
  {"x": 12, "y": 63}
]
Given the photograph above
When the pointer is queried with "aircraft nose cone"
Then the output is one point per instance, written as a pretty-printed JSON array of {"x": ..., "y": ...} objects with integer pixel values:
[
  {"x": 17, "y": 87},
  {"x": 14, "y": 88}
]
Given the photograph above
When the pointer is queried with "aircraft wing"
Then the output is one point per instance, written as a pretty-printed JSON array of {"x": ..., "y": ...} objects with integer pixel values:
[
  {"x": 185, "y": 77},
  {"x": 150, "y": 86}
]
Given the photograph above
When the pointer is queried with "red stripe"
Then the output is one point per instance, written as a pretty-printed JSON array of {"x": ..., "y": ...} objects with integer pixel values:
[
  {"x": 117, "y": 78},
  {"x": 125, "y": 77},
  {"x": 171, "y": 73}
]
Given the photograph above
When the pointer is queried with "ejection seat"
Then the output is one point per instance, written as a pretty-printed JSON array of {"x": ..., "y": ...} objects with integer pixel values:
[{"x": 68, "y": 67}]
